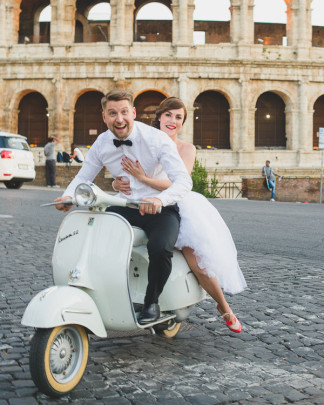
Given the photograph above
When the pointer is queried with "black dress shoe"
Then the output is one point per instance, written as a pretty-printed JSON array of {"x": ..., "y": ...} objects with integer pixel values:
[{"x": 149, "y": 313}]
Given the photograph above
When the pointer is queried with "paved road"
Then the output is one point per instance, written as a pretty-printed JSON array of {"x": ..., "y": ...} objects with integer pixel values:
[{"x": 278, "y": 359}]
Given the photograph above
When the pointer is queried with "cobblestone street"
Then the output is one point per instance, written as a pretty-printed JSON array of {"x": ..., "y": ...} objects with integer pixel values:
[{"x": 278, "y": 358}]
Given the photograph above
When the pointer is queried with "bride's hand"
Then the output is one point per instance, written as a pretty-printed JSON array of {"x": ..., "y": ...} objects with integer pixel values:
[{"x": 135, "y": 169}]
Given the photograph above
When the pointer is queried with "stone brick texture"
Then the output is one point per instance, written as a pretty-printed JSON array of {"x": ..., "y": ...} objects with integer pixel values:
[
  {"x": 66, "y": 172},
  {"x": 288, "y": 189}
]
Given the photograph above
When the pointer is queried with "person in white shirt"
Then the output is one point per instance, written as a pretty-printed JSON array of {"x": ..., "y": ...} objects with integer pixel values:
[
  {"x": 153, "y": 148},
  {"x": 76, "y": 153}
]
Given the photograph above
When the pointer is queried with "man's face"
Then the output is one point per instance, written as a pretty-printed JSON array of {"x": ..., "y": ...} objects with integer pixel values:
[
  {"x": 119, "y": 117},
  {"x": 267, "y": 163}
]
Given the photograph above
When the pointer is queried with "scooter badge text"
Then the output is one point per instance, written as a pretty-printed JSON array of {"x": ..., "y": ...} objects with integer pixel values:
[{"x": 68, "y": 236}]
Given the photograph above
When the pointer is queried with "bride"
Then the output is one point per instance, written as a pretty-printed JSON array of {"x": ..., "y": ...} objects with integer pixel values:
[{"x": 204, "y": 238}]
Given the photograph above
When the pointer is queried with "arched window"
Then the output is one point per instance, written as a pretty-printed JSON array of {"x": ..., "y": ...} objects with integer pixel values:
[
  {"x": 270, "y": 121},
  {"x": 270, "y": 19},
  {"x": 318, "y": 23},
  {"x": 88, "y": 122},
  {"x": 33, "y": 118},
  {"x": 42, "y": 27},
  {"x": 318, "y": 119},
  {"x": 211, "y": 121},
  {"x": 146, "y": 104},
  {"x": 99, "y": 23},
  {"x": 153, "y": 21},
  {"x": 211, "y": 21},
  {"x": 34, "y": 21}
]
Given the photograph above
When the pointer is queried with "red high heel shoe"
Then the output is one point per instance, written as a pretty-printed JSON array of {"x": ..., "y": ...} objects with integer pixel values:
[{"x": 233, "y": 326}]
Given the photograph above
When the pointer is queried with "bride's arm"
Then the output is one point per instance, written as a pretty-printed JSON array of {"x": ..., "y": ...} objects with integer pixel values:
[
  {"x": 136, "y": 170},
  {"x": 188, "y": 156}
]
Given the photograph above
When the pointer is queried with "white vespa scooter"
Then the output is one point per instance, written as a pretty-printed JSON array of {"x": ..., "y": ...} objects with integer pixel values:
[{"x": 100, "y": 273}]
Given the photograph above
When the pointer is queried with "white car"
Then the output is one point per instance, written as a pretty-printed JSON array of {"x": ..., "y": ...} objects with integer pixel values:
[{"x": 16, "y": 160}]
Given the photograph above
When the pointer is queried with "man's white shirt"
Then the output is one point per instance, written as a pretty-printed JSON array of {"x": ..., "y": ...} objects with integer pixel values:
[{"x": 150, "y": 147}]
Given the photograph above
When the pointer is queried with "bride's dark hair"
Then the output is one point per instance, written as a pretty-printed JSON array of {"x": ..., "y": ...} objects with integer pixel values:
[{"x": 170, "y": 103}]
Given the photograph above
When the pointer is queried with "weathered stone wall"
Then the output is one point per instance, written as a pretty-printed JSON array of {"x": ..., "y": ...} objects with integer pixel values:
[
  {"x": 288, "y": 189},
  {"x": 65, "y": 174},
  {"x": 239, "y": 69}
]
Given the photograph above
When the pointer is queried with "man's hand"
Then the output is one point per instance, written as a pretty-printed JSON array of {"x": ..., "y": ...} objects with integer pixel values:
[
  {"x": 122, "y": 186},
  {"x": 63, "y": 207},
  {"x": 152, "y": 208}
]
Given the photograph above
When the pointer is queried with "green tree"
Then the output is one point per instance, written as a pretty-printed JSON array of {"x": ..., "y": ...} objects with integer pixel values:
[{"x": 199, "y": 177}]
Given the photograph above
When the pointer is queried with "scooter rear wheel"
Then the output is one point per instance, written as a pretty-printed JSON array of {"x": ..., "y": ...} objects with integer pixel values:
[
  {"x": 58, "y": 358},
  {"x": 168, "y": 329}
]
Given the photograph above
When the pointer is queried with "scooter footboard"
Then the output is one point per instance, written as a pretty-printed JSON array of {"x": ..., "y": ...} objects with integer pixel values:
[{"x": 61, "y": 305}]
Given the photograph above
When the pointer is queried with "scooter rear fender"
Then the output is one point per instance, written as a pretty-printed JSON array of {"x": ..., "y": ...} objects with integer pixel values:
[{"x": 61, "y": 305}]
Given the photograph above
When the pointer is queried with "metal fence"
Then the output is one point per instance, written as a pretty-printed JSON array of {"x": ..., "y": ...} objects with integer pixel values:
[{"x": 229, "y": 189}]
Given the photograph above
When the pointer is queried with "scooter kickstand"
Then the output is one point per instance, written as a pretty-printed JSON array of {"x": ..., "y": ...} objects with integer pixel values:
[{"x": 152, "y": 331}]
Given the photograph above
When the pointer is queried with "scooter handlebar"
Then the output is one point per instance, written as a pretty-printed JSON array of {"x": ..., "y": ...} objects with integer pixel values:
[{"x": 136, "y": 205}]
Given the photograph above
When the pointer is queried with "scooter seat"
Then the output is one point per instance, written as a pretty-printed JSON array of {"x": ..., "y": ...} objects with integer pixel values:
[{"x": 140, "y": 237}]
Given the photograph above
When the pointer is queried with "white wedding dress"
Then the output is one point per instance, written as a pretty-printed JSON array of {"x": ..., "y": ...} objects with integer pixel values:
[{"x": 204, "y": 230}]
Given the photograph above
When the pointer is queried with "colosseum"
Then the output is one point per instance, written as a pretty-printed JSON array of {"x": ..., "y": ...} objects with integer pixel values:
[{"x": 254, "y": 91}]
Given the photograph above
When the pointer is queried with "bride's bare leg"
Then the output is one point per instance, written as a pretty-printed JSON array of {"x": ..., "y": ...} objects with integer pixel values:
[{"x": 210, "y": 285}]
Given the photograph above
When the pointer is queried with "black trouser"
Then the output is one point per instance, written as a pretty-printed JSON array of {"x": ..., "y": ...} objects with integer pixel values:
[
  {"x": 50, "y": 172},
  {"x": 162, "y": 232}
]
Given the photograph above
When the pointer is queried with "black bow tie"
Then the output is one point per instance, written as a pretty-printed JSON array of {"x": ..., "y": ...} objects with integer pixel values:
[{"x": 117, "y": 142}]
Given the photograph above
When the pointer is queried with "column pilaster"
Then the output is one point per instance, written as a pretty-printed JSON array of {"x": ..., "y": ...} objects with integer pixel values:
[
  {"x": 63, "y": 22},
  {"x": 10, "y": 10},
  {"x": 187, "y": 132},
  {"x": 299, "y": 26},
  {"x": 181, "y": 25},
  {"x": 305, "y": 139},
  {"x": 242, "y": 25},
  {"x": 121, "y": 22}
]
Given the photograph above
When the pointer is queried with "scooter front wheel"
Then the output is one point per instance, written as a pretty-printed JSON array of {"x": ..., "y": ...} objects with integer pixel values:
[
  {"x": 58, "y": 358},
  {"x": 167, "y": 329}
]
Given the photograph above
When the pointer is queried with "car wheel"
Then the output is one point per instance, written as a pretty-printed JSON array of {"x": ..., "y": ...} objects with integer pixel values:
[{"x": 13, "y": 184}]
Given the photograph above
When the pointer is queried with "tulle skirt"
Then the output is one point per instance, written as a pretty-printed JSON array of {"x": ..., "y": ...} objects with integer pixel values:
[{"x": 204, "y": 230}]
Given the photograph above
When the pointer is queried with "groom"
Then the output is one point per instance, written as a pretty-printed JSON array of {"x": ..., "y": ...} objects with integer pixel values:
[{"x": 152, "y": 147}]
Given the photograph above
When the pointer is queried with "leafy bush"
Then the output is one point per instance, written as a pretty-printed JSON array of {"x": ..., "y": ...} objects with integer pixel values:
[{"x": 199, "y": 177}]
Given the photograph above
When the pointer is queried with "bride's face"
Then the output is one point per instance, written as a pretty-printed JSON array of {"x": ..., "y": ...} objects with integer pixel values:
[{"x": 171, "y": 121}]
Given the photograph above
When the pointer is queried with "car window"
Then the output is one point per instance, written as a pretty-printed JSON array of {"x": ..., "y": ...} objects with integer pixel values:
[{"x": 13, "y": 143}]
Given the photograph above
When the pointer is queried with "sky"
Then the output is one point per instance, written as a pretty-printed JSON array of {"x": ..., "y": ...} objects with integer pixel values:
[{"x": 264, "y": 11}]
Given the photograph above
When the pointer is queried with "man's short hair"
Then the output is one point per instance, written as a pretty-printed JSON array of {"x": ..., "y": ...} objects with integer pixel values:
[
  {"x": 267, "y": 161},
  {"x": 117, "y": 95}
]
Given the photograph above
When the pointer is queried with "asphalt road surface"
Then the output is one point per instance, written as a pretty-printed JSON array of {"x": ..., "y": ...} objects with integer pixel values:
[{"x": 292, "y": 230}]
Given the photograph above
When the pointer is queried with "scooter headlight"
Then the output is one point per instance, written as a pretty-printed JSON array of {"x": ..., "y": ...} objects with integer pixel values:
[{"x": 84, "y": 195}]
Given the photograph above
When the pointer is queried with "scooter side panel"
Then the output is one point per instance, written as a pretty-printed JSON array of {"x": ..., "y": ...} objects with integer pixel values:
[
  {"x": 181, "y": 290},
  {"x": 96, "y": 258},
  {"x": 62, "y": 306}
]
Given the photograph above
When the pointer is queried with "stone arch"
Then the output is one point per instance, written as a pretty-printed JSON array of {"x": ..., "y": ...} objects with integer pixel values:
[
  {"x": 212, "y": 120},
  {"x": 266, "y": 31},
  {"x": 96, "y": 30},
  {"x": 33, "y": 117},
  {"x": 30, "y": 30},
  {"x": 270, "y": 121},
  {"x": 88, "y": 122},
  {"x": 318, "y": 119},
  {"x": 213, "y": 26},
  {"x": 146, "y": 103},
  {"x": 41, "y": 28},
  {"x": 155, "y": 29}
]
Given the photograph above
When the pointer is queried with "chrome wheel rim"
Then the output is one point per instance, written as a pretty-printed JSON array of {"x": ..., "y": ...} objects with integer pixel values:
[{"x": 66, "y": 354}]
